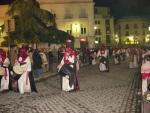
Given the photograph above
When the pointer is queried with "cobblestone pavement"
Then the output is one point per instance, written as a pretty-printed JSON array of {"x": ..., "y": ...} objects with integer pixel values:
[{"x": 100, "y": 92}]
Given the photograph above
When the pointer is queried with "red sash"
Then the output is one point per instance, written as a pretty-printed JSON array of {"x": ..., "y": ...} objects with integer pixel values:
[{"x": 145, "y": 75}]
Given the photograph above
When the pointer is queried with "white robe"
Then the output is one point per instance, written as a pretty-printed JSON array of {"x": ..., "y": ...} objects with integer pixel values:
[
  {"x": 65, "y": 79},
  {"x": 102, "y": 67},
  {"x": 145, "y": 68},
  {"x": 5, "y": 79},
  {"x": 23, "y": 82}
]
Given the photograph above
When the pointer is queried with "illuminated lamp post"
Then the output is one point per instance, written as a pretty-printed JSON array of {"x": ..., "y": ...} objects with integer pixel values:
[
  {"x": 117, "y": 40},
  {"x": 96, "y": 41},
  {"x": 95, "y": 27},
  {"x": 147, "y": 38},
  {"x": 149, "y": 28}
]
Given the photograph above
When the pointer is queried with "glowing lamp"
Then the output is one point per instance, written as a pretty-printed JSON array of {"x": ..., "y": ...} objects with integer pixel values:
[
  {"x": 82, "y": 40},
  {"x": 96, "y": 41},
  {"x": 69, "y": 41}
]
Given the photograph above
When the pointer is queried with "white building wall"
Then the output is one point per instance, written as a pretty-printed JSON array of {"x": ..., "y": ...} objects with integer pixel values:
[
  {"x": 139, "y": 21},
  {"x": 73, "y": 8}
]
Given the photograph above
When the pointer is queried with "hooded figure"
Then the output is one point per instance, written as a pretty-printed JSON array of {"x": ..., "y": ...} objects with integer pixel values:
[
  {"x": 103, "y": 62},
  {"x": 4, "y": 76},
  {"x": 67, "y": 70},
  {"x": 25, "y": 80}
]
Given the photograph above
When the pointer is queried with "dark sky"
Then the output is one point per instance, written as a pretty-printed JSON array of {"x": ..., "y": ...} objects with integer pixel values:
[
  {"x": 121, "y": 8},
  {"x": 4, "y": 1}
]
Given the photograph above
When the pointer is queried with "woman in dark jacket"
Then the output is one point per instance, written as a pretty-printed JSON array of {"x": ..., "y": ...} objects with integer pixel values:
[{"x": 37, "y": 63}]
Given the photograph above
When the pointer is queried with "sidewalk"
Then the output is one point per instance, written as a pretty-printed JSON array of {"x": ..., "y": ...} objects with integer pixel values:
[{"x": 48, "y": 74}]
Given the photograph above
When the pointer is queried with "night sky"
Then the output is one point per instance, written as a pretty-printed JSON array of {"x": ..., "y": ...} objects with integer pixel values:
[{"x": 121, "y": 8}]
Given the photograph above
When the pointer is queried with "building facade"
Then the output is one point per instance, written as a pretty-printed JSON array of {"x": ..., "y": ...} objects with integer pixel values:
[
  {"x": 89, "y": 25},
  {"x": 75, "y": 17},
  {"x": 132, "y": 30},
  {"x": 3, "y": 18},
  {"x": 103, "y": 26}
]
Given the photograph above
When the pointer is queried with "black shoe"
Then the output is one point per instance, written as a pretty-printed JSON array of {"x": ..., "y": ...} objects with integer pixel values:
[{"x": 73, "y": 90}]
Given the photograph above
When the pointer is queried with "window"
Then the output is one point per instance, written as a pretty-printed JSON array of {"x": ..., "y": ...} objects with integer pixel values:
[
  {"x": 69, "y": 32},
  {"x": 108, "y": 39},
  {"x": 136, "y": 33},
  {"x": 68, "y": 13},
  {"x": 107, "y": 30},
  {"x": 95, "y": 11},
  {"x": 107, "y": 22},
  {"x": 135, "y": 26},
  {"x": 127, "y": 26},
  {"x": 97, "y": 21},
  {"x": 119, "y": 27},
  {"x": 119, "y": 33},
  {"x": 83, "y": 30},
  {"x": 143, "y": 32},
  {"x": 127, "y": 33},
  {"x": 97, "y": 32},
  {"x": 83, "y": 13},
  {"x": 143, "y": 25}
]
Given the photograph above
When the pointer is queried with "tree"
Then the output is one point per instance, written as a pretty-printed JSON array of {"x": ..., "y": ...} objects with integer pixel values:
[
  {"x": 59, "y": 36},
  {"x": 31, "y": 21}
]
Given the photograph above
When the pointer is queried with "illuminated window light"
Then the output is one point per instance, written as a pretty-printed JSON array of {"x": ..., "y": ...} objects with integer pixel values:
[{"x": 96, "y": 42}]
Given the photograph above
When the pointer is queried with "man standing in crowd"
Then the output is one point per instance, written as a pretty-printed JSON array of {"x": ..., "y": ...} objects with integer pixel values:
[
  {"x": 50, "y": 60},
  {"x": 13, "y": 54},
  {"x": 37, "y": 63}
]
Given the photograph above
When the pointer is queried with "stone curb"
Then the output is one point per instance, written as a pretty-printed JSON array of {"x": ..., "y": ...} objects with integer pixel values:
[{"x": 44, "y": 76}]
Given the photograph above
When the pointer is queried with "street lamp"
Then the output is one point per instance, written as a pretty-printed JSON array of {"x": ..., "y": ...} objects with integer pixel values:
[
  {"x": 147, "y": 39},
  {"x": 149, "y": 28},
  {"x": 96, "y": 42},
  {"x": 117, "y": 39},
  {"x": 95, "y": 27}
]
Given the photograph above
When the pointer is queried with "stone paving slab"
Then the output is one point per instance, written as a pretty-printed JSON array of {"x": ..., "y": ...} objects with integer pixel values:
[{"x": 100, "y": 93}]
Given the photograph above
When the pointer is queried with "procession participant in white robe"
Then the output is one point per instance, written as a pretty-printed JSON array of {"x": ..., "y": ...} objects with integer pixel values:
[
  {"x": 135, "y": 59},
  {"x": 93, "y": 58},
  {"x": 145, "y": 72},
  {"x": 116, "y": 55},
  {"x": 25, "y": 84},
  {"x": 66, "y": 70},
  {"x": 145, "y": 52},
  {"x": 131, "y": 57},
  {"x": 5, "y": 79},
  {"x": 103, "y": 63}
]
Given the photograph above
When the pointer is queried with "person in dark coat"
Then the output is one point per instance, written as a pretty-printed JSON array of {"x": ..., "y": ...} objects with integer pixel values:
[
  {"x": 50, "y": 61},
  {"x": 37, "y": 63}
]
